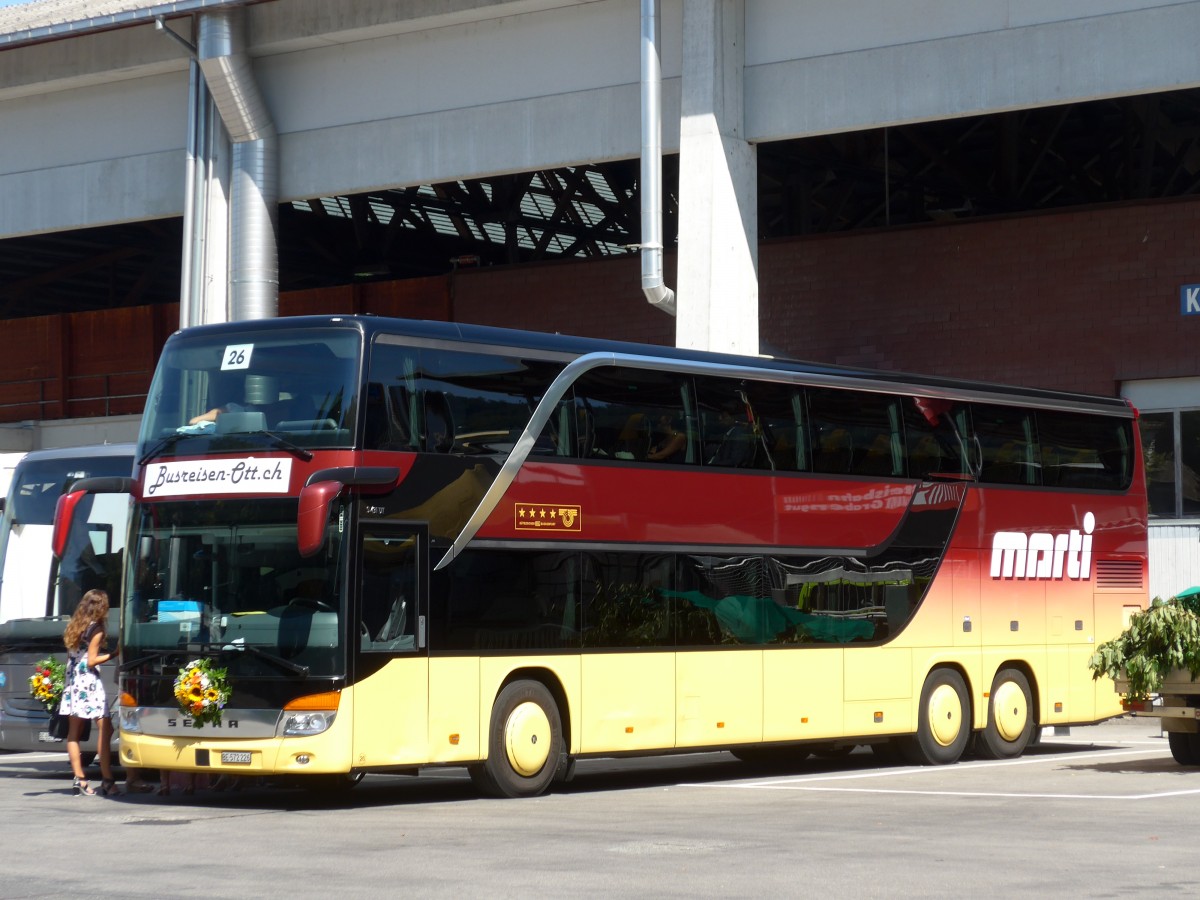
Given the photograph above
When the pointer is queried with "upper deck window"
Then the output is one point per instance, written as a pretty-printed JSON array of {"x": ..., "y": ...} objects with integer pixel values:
[
  {"x": 217, "y": 392},
  {"x": 435, "y": 400}
]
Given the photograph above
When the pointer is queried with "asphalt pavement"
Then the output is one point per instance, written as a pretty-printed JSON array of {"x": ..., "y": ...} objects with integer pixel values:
[{"x": 1103, "y": 811}]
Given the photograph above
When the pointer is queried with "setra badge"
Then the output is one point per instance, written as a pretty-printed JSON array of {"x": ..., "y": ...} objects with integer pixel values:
[{"x": 547, "y": 516}]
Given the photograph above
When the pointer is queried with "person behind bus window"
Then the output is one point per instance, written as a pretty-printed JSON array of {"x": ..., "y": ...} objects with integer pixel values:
[
  {"x": 260, "y": 395},
  {"x": 83, "y": 697},
  {"x": 734, "y": 446},
  {"x": 671, "y": 443}
]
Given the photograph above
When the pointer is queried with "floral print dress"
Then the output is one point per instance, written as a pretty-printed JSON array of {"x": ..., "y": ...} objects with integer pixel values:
[{"x": 83, "y": 695}]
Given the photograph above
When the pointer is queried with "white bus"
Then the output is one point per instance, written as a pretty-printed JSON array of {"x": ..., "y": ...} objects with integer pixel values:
[{"x": 37, "y": 592}]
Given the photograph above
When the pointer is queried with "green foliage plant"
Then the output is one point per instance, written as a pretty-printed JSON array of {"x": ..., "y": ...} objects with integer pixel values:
[{"x": 1160, "y": 639}]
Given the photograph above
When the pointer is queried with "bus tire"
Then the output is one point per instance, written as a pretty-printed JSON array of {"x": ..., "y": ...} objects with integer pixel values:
[
  {"x": 944, "y": 721},
  {"x": 1010, "y": 720},
  {"x": 525, "y": 745},
  {"x": 1184, "y": 747}
]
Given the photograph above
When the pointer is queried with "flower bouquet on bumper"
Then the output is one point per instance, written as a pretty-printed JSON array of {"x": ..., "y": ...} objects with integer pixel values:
[
  {"x": 202, "y": 690},
  {"x": 47, "y": 682}
]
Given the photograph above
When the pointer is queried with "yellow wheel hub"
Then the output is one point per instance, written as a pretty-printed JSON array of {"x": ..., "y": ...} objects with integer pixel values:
[
  {"x": 945, "y": 715},
  {"x": 527, "y": 739},
  {"x": 1010, "y": 710}
]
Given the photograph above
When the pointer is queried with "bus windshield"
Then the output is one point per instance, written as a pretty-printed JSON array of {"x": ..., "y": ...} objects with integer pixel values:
[
  {"x": 250, "y": 389},
  {"x": 226, "y": 579},
  {"x": 29, "y": 585}
]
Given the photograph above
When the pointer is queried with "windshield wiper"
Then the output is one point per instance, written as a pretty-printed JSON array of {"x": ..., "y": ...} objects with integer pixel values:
[
  {"x": 285, "y": 664},
  {"x": 169, "y": 441},
  {"x": 284, "y": 444}
]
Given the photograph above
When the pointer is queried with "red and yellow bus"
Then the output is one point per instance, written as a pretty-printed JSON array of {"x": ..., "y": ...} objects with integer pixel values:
[{"x": 415, "y": 544}]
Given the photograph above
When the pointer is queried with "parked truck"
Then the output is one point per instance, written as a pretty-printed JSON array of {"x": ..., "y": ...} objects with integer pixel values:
[{"x": 1155, "y": 664}]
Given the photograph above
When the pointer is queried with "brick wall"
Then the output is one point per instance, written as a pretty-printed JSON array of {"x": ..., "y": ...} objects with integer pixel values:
[{"x": 1074, "y": 300}]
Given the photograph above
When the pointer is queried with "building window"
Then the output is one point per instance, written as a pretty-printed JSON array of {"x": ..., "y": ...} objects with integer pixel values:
[{"x": 1170, "y": 432}]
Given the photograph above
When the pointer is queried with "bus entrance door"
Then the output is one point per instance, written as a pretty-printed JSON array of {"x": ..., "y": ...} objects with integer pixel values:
[{"x": 392, "y": 684}]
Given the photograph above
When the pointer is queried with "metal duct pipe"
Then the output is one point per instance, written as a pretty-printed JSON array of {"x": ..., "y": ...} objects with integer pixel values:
[
  {"x": 193, "y": 201},
  {"x": 653, "y": 285},
  {"x": 254, "y": 188}
]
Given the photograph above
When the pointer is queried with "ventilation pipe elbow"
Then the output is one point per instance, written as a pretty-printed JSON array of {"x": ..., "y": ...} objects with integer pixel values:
[{"x": 653, "y": 285}]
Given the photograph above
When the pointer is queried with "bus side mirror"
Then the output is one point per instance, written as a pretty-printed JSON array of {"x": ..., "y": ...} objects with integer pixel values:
[
  {"x": 64, "y": 515},
  {"x": 313, "y": 514},
  {"x": 320, "y": 489},
  {"x": 64, "y": 510}
]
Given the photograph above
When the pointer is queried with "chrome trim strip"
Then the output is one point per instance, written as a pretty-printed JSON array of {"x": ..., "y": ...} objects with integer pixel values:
[
  {"x": 564, "y": 546},
  {"x": 463, "y": 346},
  {"x": 235, "y": 723}
]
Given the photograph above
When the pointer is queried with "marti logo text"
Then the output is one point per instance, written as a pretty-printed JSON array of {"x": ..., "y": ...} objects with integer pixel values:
[{"x": 1042, "y": 555}]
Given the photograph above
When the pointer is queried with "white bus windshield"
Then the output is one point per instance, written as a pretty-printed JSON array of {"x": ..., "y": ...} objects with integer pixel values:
[{"x": 29, "y": 587}]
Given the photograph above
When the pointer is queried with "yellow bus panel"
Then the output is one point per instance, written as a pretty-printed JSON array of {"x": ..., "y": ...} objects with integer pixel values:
[
  {"x": 802, "y": 694},
  {"x": 720, "y": 698},
  {"x": 395, "y": 700},
  {"x": 616, "y": 719},
  {"x": 454, "y": 710}
]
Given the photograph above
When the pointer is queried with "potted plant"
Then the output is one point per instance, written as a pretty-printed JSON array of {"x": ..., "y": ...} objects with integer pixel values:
[{"x": 1160, "y": 640}]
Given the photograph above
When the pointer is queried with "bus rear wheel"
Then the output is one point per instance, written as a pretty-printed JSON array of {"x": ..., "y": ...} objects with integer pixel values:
[
  {"x": 1010, "y": 719},
  {"x": 525, "y": 743},
  {"x": 944, "y": 723}
]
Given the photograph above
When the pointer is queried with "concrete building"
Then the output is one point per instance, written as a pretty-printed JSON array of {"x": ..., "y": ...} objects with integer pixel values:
[{"x": 1004, "y": 190}]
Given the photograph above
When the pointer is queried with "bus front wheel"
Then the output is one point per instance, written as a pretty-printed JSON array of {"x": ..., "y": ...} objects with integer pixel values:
[
  {"x": 944, "y": 723},
  {"x": 525, "y": 743},
  {"x": 1010, "y": 718}
]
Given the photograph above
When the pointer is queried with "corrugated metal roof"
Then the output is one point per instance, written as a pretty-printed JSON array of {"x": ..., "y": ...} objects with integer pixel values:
[{"x": 48, "y": 19}]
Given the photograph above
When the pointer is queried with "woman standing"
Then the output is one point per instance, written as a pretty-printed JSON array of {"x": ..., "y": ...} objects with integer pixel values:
[{"x": 84, "y": 697}]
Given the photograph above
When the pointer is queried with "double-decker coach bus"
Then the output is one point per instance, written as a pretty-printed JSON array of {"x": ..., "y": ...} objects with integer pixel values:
[{"x": 416, "y": 544}]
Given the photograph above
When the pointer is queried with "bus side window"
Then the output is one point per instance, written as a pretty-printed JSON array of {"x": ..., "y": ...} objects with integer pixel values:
[
  {"x": 855, "y": 432},
  {"x": 933, "y": 442},
  {"x": 1007, "y": 444},
  {"x": 439, "y": 423},
  {"x": 1082, "y": 451},
  {"x": 622, "y": 413},
  {"x": 389, "y": 591},
  {"x": 381, "y": 428}
]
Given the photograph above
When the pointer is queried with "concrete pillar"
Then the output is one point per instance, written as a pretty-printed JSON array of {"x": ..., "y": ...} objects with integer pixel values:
[{"x": 717, "y": 303}]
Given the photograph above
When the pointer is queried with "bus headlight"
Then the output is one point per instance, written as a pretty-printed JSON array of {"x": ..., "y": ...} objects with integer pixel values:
[
  {"x": 130, "y": 719},
  {"x": 308, "y": 723}
]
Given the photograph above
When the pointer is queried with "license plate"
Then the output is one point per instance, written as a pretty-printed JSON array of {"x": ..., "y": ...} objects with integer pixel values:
[
  {"x": 235, "y": 757},
  {"x": 46, "y": 738}
]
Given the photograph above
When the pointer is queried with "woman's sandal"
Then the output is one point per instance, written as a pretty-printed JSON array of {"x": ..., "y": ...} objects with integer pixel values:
[
  {"x": 108, "y": 787},
  {"x": 81, "y": 786}
]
